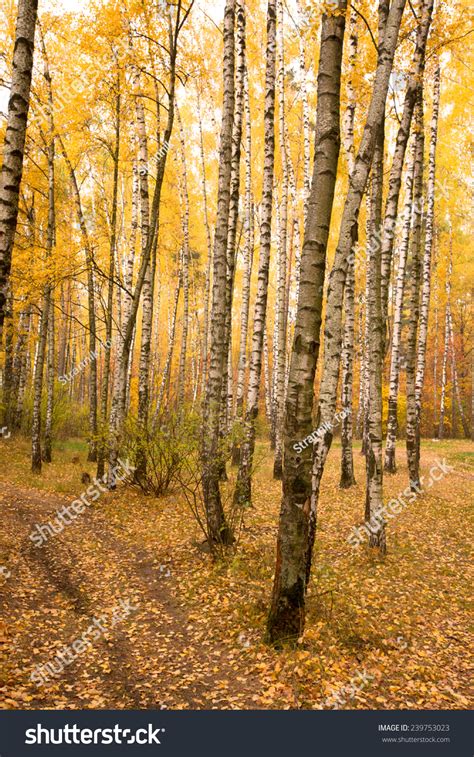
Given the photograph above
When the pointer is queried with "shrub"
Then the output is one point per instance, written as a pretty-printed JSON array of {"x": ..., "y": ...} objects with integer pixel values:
[{"x": 159, "y": 450}]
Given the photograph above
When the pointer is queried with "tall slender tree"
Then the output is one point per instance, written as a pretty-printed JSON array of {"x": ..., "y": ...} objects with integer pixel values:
[
  {"x": 104, "y": 401},
  {"x": 444, "y": 368},
  {"x": 14, "y": 141},
  {"x": 218, "y": 529},
  {"x": 45, "y": 327},
  {"x": 286, "y": 617},
  {"x": 243, "y": 494},
  {"x": 91, "y": 303},
  {"x": 427, "y": 258},
  {"x": 347, "y": 460},
  {"x": 395, "y": 178},
  {"x": 248, "y": 260},
  {"x": 415, "y": 264},
  {"x": 282, "y": 261},
  {"x": 394, "y": 377},
  {"x": 185, "y": 257},
  {"x": 373, "y": 458}
]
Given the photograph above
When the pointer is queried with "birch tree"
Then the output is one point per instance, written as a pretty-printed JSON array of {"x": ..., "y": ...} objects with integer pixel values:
[
  {"x": 444, "y": 367},
  {"x": 243, "y": 494},
  {"x": 207, "y": 283},
  {"x": 428, "y": 245},
  {"x": 45, "y": 326},
  {"x": 14, "y": 140},
  {"x": 286, "y": 617},
  {"x": 91, "y": 304},
  {"x": 394, "y": 379},
  {"x": 247, "y": 274},
  {"x": 218, "y": 530},
  {"x": 101, "y": 453},
  {"x": 373, "y": 457},
  {"x": 395, "y": 178},
  {"x": 149, "y": 271},
  {"x": 185, "y": 255},
  {"x": 282, "y": 262},
  {"x": 347, "y": 461},
  {"x": 414, "y": 301}
]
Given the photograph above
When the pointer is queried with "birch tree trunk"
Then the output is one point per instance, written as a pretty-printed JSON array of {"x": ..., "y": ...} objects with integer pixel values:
[
  {"x": 247, "y": 274},
  {"x": 414, "y": 301},
  {"x": 207, "y": 283},
  {"x": 218, "y": 530},
  {"x": 48, "y": 425},
  {"x": 14, "y": 140},
  {"x": 349, "y": 114},
  {"x": 306, "y": 123},
  {"x": 19, "y": 361},
  {"x": 127, "y": 306},
  {"x": 148, "y": 279},
  {"x": 282, "y": 262},
  {"x": 361, "y": 355},
  {"x": 347, "y": 358},
  {"x": 444, "y": 368},
  {"x": 454, "y": 373},
  {"x": 243, "y": 493},
  {"x": 426, "y": 277},
  {"x": 294, "y": 263},
  {"x": 63, "y": 327},
  {"x": 101, "y": 453},
  {"x": 286, "y": 617},
  {"x": 366, "y": 348},
  {"x": 392, "y": 422},
  {"x": 435, "y": 346},
  {"x": 185, "y": 268},
  {"x": 23, "y": 369},
  {"x": 373, "y": 458},
  {"x": 347, "y": 238},
  {"x": 167, "y": 368},
  {"x": 36, "y": 458},
  {"x": 267, "y": 379},
  {"x": 227, "y": 379},
  {"x": 395, "y": 178},
  {"x": 130, "y": 259},
  {"x": 91, "y": 304},
  {"x": 347, "y": 461}
]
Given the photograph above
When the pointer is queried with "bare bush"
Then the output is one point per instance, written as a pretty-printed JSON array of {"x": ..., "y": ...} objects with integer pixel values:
[{"x": 163, "y": 448}]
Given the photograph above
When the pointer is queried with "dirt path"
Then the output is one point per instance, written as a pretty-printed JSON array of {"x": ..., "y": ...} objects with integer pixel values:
[{"x": 150, "y": 659}]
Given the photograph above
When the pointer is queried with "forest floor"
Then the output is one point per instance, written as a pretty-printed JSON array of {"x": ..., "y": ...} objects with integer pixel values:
[{"x": 380, "y": 633}]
